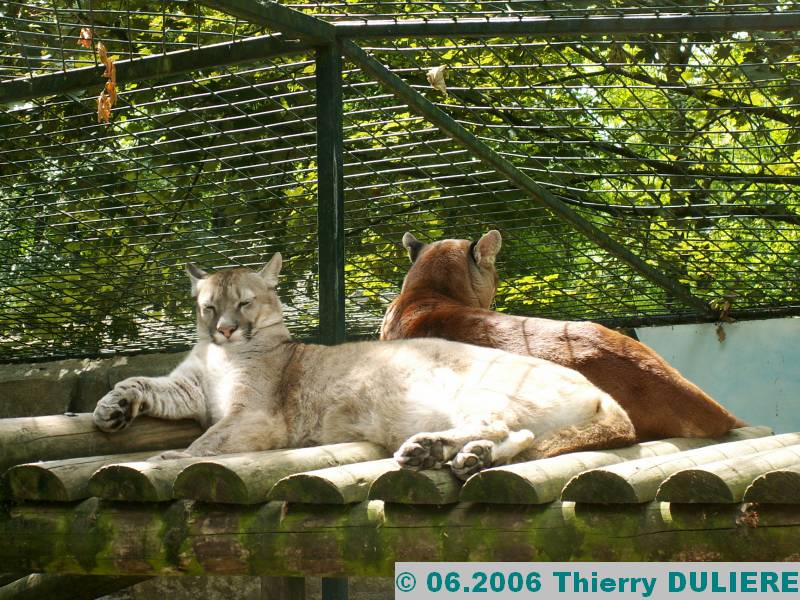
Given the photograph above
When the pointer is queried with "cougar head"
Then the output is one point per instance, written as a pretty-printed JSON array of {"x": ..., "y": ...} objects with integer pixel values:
[
  {"x": 234, "y": 305},
  {"x": 459, "y": 269}
]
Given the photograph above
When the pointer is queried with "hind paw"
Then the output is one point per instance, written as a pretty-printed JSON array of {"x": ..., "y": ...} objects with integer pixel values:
[
  {"x": 473, "y": 457},
  {"x": 422, "y": 451}
]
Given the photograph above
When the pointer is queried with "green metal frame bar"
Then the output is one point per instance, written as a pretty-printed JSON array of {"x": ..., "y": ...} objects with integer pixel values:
[
  {"x": 278, "y": 17},
  {"x": 424, "y": 107},
  {"x": 330, "y": 193},
  {"x": 151, "y": 67},
  {"x": 505, "y": 26}
]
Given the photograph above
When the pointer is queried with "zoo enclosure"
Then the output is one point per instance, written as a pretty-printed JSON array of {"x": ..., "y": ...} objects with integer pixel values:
[{"x": 639, "y": 158}]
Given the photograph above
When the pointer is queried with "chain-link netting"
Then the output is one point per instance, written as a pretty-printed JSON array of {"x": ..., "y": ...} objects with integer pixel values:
[{"x": 682, "y": 147}]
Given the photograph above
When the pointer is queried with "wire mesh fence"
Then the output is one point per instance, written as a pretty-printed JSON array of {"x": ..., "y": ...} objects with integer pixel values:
[{"x": 681, "y": 146}]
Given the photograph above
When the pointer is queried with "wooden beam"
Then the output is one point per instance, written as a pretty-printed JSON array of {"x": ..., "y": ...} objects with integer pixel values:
[
  {"x": 43, "y": 586},
  {"x": 61, "y": 480},
  {"x": 726, "y": 480},
  {"x": 343, "y": 484},
  {"x": 275, "y": 539},
  {"x": 138, "y": 481},
  {"x": 28, "y": 439},
  {"x": 540, "y": 481},
  {"x": 248, "y": 478},
  {"x": 781, "y": 486},
  {"x": 638, "y": 480},
  {"x": 433, "y": 486},
  {"x": 151, "y": 68},
  {"x": 427, "y": 109}
]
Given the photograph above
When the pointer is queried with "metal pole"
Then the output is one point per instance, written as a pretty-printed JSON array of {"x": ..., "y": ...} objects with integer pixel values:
[{"x": 330, "y": 194}]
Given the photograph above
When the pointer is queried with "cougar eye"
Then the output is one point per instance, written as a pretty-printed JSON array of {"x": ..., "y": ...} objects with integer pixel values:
[
  {"x": 244, "y": 303},
  {"x": 210, "y": 307}
]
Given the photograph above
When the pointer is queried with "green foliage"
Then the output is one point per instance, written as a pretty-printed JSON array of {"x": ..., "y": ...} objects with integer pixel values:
[{"x": 683, "y": 148}]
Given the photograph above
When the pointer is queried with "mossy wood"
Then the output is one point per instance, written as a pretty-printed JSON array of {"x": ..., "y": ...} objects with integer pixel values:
[
  {"x": 638, "y": 480},
  {"x": 30, "y": 439},
  {"x": 540, "y": 481},
  {"x": 781, "y": 486},
  {"x": 47, "y": 586},
  {"x": 140, "y": 481},
  {"x": 335, "y": 485},
  {"x": 726, "y": 480},
  {"x": 248, "y": 478},
  {"x": 196, "y": 538},
  {"x": 433, "y": 486},
  {"x": 61, "y": 480}
]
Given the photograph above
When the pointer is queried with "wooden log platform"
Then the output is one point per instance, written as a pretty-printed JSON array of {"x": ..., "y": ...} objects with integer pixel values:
[
  {"x": 638, "y": 481},
  {"x": 195, "y": 538},
  {"x": 335, "y": 485},
  {"x": 30, "y": 439},
  {"x": 541, "y": 481},
  {"x": 61, "y": 480},
  {"x": 437, "y": 486},
  {"x": 726, "y": 480},
  {"x": 781, "y": 486},
  {"x": 138, "y": 481},
  {"x": 248, "y": 478}
]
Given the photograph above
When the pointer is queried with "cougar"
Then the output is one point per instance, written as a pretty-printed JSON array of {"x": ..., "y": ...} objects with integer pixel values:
[
  {"x": 447, "y": 293},
  {"x": 431, "y": 402}
]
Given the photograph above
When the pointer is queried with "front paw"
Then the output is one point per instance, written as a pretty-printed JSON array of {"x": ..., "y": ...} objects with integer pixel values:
[{"x": 118, "y": 407}]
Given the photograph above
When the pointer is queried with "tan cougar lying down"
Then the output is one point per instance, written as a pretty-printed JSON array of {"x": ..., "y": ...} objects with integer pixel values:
[
  {"x": 447, "y": 294},
  {"x": 432, "y": 401}
]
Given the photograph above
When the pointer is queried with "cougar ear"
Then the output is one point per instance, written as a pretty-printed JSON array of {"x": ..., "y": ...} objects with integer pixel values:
[
  {"x": 196, "y": 275},
  {"x": 413, "y": 245},
  {"x": 269, "y": 272},
  {"x": 485, "y": 250}
]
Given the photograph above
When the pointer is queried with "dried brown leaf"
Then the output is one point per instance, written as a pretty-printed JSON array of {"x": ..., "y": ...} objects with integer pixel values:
[
  {"x": 102, "y": 54},
  {"x": 103, "y": 107},
  {"x": 721, "y": 335},
  {"x": 85, "y": 37}
]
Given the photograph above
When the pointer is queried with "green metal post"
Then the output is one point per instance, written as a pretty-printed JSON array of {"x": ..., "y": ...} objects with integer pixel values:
[
  {"x": 334, "y": 588},
  {"x": 330, "y": 194}
]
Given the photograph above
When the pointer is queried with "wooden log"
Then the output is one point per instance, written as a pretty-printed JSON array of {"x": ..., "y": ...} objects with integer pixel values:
[
  {"x": 638, "y": 480},
  {"x": 432, "y": 486},
  {"x": 60, "y": 480},
  {"x": 248, "y": 477},
  {"x": 540, "y": 481},
  {"x": 45, "y": 586},
  {"x": 56, "y": 437},
  {"x": 335, "y": 485},
  {"x": 725, "y": 480},
  {"x": 781, "y": 486},
  {"x": 276, "y": 539},
  {"x": 139, "y": 481}
]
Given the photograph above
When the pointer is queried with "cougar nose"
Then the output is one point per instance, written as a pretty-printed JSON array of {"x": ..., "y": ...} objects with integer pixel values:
[{"x": 227, "y": 330}]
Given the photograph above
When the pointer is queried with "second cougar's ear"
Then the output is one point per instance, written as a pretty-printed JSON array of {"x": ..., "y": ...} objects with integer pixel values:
[
  {"x": 413, "y": 245},
  {"x": 485, "y": 250},
  {"x": 196, "y": 275},
  {"x": 269, "y": 272}
]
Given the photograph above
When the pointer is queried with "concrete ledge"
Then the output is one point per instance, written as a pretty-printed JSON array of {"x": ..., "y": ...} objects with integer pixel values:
[{"x": 74, "y": 385}]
